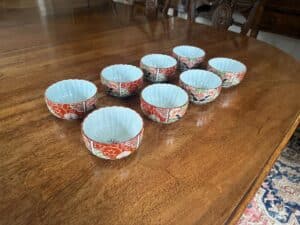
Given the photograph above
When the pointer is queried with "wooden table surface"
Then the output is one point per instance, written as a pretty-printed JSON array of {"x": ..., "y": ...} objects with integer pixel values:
[{"x": 200, "y": 170}]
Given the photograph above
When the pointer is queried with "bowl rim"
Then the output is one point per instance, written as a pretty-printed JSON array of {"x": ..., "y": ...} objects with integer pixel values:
[
  {"x": 244, "y": 70},
  {"x": 70, "y": 103},
  {"x": 121, "y": 82},
  {"x": 206, "y": 73},
  {"x": 149, "y": 86},
  {"x": 119, "y": 142},
  {"x": 158, "y": 54},
  {"x": 189, "y": 46}
]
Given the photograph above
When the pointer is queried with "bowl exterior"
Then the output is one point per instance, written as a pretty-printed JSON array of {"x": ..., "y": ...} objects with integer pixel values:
[
  {"x": 122, "y": 89},
  {"x": 73, "y": 110},
  {"x": 115, "y": 150},
  {"x": 186, "y": 63},
  {"x": 163, "y": 115},
  {"x": 229, "y": 79},
  {"x": 201, "y": 96},
  {"x": 158, "y": 74}
]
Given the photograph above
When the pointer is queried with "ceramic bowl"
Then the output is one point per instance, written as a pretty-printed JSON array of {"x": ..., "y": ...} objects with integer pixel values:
[
  {"x": 231, "y": 71},
  {"x": 112, "y": 132},
  {"x": 158, "y": 67},
  {"x": 71, "y": 99},
  {"x": 122, "y": 80},
  {"x": 188, "y": 56},
  {"x": 201, "y": 85},
  {"x": 164, "y": 103}
]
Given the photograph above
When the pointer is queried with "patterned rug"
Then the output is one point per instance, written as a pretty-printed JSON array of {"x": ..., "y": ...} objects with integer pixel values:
[{"x": 277, "y": 201}]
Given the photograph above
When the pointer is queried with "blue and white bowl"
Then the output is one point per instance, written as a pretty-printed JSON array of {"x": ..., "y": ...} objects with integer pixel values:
[
  {"x": 164, "y": 103},
  {"x": 71, "y": 99},
  {"x": 112, "y": 132},
  {"x": 122, "y": 80},
  {"x": 188, "y": 56},
  {"x": 231, "y": 71},
  {"x": 158, "y": 67},
  {"x": 202, "y": 86}
]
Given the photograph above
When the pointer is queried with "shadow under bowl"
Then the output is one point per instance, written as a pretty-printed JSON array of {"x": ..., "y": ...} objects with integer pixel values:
[
  {"x": 231, "y": 71},
  {"x": 201, "y": 85},
  {"x": 158, "y": 67},
  {"x": 164, "y": 103},
  {"x": 112, "y": 132},
  {"x": 122, "y": 80},
  {"x": 71, "y": 99}
]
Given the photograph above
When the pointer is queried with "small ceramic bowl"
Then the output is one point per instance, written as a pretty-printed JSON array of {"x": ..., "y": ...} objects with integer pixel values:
[
  {"x": 112, "y": 132},
  {"x": 71, "y": 99},
  {"x": 164, "y": 103},
  {"x": 158, "y": 67},
  {"x": 201, "y": 85},
  {"x": 231, "y": 71},
  {"x": 122, "y": 80},
  {"x": 188, "y": 56}
]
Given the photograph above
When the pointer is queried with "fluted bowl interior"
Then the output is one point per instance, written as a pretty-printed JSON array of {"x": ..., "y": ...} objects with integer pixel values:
[
  {"x": 227, "y": 65},
  {"x": 158, "y": 61},
  {"x": 122, "y": 73},
  {"x": 112, "y": 125},
  {"x": 189, "y": 51},
  {"x": 70, "y": 91},
  {"x": 201, "y": 79},
  {"x": 165, "y": 95}
]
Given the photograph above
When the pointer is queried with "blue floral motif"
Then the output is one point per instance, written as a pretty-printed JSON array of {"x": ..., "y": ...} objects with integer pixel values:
[{"x": 284, "y": 175}]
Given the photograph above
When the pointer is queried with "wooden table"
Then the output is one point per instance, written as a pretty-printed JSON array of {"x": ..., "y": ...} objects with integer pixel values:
[{"x": 201, "y": 170}]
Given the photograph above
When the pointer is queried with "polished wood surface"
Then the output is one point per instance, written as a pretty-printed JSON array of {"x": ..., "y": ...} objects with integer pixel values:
[{"x": 199, "y": 170}]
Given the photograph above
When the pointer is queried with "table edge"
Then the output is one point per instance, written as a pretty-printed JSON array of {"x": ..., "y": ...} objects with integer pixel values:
[{"x": 239, "y": 210}]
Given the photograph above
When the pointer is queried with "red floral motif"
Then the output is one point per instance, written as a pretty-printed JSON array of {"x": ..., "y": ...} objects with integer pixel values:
[
  {"x": 71, "y": 111},
  {"x": 132, "y": 87},
  {"x": 201, "y": 96},
  {"x": 189, "y": 62},
  {"x": 177, "y": 113},
  {"x": 157, "y": 114},
  {"x": 158, "y": 75},
  {"x": 162, "y": 115},
  {"x": 228, "y": 79},
  {"x": 112, "y": 151},
  {"x": 123, "y": 89}
]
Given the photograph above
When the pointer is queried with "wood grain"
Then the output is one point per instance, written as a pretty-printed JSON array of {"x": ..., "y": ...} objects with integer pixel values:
[{"x": 199, "y": 170}]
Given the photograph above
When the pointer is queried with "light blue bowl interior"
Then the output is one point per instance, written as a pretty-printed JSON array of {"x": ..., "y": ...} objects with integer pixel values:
[
  {"x": 227, "y": 65},
  {"x": 188, "y": 51},
  {"x": 165, "y": 95},
  {"x": 112, "y": 124},
  {"x": 70, "y": 91},
  {"x": 201, "y": 79},
  {"x": 158, "y": 61},
  {"x": 121, "y": 73}
]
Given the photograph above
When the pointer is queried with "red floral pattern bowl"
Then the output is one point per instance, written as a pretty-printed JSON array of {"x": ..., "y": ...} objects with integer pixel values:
[
  {"x": 71, "y": 99},
  {"x": 112, "y": 132},
  {"x": 158, "y": 67},
  {"x": 164, "y": 103},
  {"x": 188, "y": 56},
  {"x": 231, "y": 71},
  {"x": 122, "y": 80},
  {"x": 202, "y": 86}
]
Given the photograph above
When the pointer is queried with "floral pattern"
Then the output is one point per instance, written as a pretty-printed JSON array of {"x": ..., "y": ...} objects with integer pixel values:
[
  {"x": 71, "y": 111},
  {"x": 163, "y": 115},
  {"x": 186, "y": 63},
  {"x": 228, "y": 79},
  {"x": 277, "y": 201},
  {"x": 158, "y": 75},
  {"x": 122, "y": 89},
  {"x": 114, "y": 150},
  {"x": 200, "y": 95}
]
